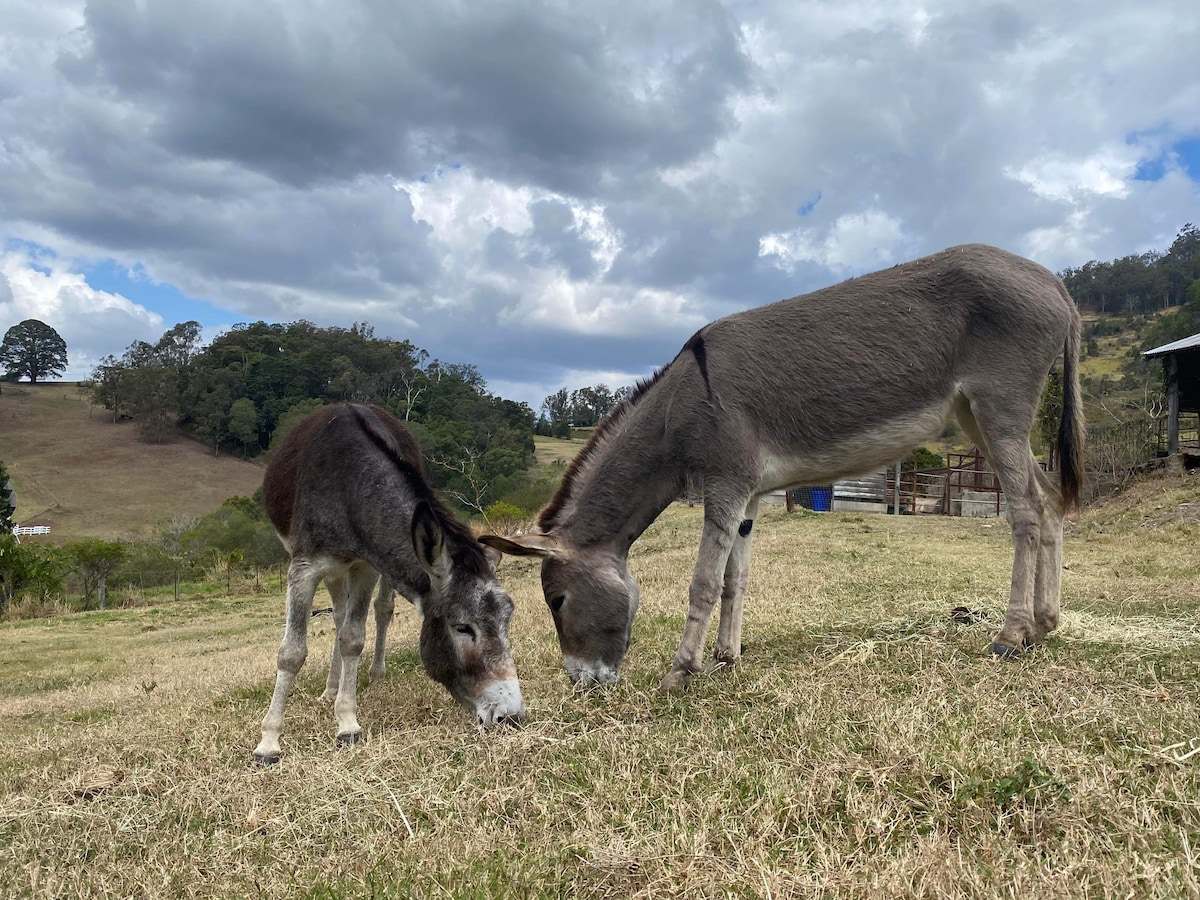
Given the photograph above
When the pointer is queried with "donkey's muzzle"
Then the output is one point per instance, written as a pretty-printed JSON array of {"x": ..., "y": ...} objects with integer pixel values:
[{"x": 500, "y": 703}]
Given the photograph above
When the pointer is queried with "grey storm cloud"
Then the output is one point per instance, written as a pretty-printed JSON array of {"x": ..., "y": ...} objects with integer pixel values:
[
  {"x": 551, "y": 189},
  {"x": 308, "y": 93}
]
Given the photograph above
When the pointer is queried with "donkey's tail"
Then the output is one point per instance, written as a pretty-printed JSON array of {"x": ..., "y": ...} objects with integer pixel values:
[{"x": 1071, "y": 426}]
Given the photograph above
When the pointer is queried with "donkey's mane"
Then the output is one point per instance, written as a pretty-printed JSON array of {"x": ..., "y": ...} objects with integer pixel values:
[
  {"x": 466, "y": 552},
  {"x": 548, "y": 517}
]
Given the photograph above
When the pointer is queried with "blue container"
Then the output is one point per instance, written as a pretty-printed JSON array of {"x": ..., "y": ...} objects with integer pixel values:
[{"x": 822, "y": 499}]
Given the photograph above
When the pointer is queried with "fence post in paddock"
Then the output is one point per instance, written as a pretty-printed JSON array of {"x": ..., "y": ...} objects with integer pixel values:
[{"x": 789, "y": 500}]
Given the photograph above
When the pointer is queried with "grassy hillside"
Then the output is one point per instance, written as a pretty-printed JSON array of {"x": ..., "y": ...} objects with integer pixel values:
[
  {"x": 864, "y": 747},
  {"x": 77, "y": 471}
]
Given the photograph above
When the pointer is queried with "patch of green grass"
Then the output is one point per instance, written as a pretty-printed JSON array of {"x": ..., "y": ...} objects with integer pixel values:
[{"x": 92, "y": 715}]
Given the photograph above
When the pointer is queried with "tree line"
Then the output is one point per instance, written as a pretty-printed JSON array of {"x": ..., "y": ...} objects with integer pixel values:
[
  {"x": 241, "y": 394},
  {"x": 1139, "y": 284},
  {"x": 580, "y": 408}
]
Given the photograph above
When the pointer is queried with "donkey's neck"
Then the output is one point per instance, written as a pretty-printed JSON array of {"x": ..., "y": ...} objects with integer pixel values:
[{"x": 627, "y": 479}]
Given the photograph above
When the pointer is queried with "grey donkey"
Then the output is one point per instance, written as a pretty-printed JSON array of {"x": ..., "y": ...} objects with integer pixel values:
[
  {"x": 346, "y": 495},
  {"x": 805, "y": 391}
]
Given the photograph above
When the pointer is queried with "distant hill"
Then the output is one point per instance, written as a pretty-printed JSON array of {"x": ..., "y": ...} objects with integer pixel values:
[{"x": 77, "y": 471}]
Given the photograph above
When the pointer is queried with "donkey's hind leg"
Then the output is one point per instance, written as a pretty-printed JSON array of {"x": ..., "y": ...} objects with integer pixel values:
[
  {"x": 303, "y": 578},
  {"x": 1048, "y": 581},
  {"x": 351, "y": 637},
  {"x": 339, "y": 587},
  {"x": 733, "y": 593},
  {"x": 1015, "y": 466},
  {"x": 1036, "y": 526},
  {"x": 385, "y": 608}
]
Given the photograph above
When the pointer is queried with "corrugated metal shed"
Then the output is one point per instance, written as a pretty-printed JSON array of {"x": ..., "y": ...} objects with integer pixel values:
[
  {"x": 1181, "y": 365},
  {"x": 1186, "y": 343}
]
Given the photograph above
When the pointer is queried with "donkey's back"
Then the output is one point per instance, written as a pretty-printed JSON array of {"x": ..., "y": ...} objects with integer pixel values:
[
  {"x": 329, "y": 461},
  {"x": 839, "y": 381}
]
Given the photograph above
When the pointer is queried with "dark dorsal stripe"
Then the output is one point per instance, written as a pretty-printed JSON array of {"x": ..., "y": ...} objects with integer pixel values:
[
  {"x": 465, "y": 550},
  {"x": 696, "y": 345}
]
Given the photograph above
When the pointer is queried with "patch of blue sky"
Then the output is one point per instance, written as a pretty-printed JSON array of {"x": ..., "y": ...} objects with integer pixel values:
[
  {"x": 40, "y": 258},
  {"x": 165, "y": 299},
  {"x": 808, "y": 206},
  {"x": 439, "y": 172},
  {"x": 1183, "y": 154}
]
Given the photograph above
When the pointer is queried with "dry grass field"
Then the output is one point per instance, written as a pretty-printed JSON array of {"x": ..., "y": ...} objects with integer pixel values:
[
  {"x": 864, "y": 747},
  {"x": 77, "y": 471},
  {"x": 548, "y": 450}
]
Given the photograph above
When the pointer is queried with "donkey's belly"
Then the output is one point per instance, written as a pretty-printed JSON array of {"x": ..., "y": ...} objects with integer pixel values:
[{"x": 873, "y": 446}]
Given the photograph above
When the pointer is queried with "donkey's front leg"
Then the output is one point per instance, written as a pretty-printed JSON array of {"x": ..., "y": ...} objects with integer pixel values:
[
  {"x": 720, "y": 526},
  {"x": 351, "y": 637},
  {"x": 385, "y": 608},
  {"x": 733, "y": 594},
  {"x": 302, "y": 584}
]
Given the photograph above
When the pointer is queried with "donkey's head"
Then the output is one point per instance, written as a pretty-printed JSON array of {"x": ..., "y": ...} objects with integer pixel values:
[
  {"x": 592, "y": 598},
  {"x": 464, "y": 628}
]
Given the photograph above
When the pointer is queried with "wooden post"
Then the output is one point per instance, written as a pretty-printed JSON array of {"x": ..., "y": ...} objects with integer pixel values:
[
  {"x": 1172, "y": 363},
  {"x": 896, "y": 490},
  {"x": 789, "y": 501}
]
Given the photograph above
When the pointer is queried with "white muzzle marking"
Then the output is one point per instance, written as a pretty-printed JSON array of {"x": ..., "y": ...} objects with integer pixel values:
[
  {"x": 499, "y": 702},
  {"x": 586, "y": 674}
]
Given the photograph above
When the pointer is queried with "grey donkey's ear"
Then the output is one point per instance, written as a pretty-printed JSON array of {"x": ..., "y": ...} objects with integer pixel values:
[
  {"x": 526, "y": 544},
  {"x": 493, "y": 557},
  {"x": 429, "y": 542}
]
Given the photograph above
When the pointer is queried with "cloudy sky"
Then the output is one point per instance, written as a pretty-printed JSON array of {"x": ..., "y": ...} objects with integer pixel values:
[{"x": 560, "y": 193}]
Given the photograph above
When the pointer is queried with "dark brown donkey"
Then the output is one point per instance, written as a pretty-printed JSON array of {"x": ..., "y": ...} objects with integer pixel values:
[
  {"x": 346, "y": 495},
  {"x": 804, "y": 391}
]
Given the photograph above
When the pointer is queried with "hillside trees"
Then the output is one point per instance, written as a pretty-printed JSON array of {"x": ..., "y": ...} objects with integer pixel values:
[
  {"x": 33, "y": 350},
  {"x": 1139, "y": 283},
  {"x": 28, "y": 571},
  {"x": 95, "y": 560},
  {"x": 582, "y": 408},
  {"x": 255, "y": 381}
]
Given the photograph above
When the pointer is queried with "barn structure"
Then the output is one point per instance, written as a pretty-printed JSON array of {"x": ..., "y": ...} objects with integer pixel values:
[{"x": 1181, "y": 364}]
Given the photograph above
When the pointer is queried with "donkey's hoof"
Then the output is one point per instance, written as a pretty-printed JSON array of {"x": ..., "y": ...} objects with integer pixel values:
[
  {"x": 1004, "y": 651},
  {"x": 674, "y": 682},
  {"x": 348, "y": 738},
  {"x": 264, "y": 760},
  {"x": 725, "y": 658},
  {"x": 328, "y": 695}
]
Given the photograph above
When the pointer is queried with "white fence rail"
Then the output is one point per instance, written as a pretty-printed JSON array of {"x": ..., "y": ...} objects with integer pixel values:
[{"x": 29, "y": 529}]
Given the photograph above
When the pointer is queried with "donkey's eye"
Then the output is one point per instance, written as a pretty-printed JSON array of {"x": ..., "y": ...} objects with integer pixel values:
[
  {"x": 465, "y": 630},
  {"x": 556, "y": 603}
]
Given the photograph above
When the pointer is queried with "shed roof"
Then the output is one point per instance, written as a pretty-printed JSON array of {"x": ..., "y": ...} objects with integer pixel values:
[{"x": 1187, "y": 343}]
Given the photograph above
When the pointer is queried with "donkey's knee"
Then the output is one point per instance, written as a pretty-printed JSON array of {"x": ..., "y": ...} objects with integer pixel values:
[{"x": 292, "y": 655}]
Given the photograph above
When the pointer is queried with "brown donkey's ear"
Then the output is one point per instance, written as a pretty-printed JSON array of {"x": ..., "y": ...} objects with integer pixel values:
[{"x": 526, "y": 544}]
